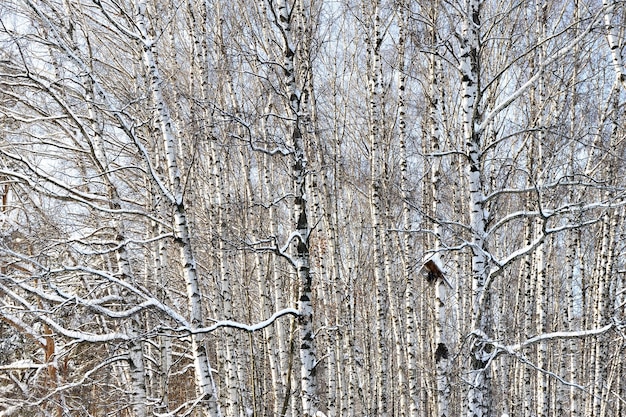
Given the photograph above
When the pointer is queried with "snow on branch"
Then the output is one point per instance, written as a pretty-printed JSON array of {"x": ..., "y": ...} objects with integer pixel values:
[
  {"x": 563, "y": 335},
  {"x": 57, "y": 189},
  {"x": 94, "y": 304},
  {"x": 271, "y": 245},
  {"x": 21, "y": 326},
  {"x": 86, "y": 376},
  {"x": 293, "y": 236},
  {"x": 514, "y": 349},
  {"x": 246, "y": 327},
  {"x": 22, "y": 364}
]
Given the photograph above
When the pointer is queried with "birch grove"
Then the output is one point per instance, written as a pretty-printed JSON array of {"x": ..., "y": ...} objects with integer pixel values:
[{"x": 312, "y": 208}]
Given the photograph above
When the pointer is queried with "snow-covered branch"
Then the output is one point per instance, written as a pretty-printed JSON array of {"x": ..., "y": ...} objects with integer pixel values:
[
  {"x": 270, "y": 245},
  {"x": 514, "y": 349},
  {"x": 249, "y": 328},
  {"x": 562, "y": 335},
  {"x": 66, "y": 192}
]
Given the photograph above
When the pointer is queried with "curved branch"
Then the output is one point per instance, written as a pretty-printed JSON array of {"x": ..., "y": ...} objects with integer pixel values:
[{"x": 248, "y": 328}]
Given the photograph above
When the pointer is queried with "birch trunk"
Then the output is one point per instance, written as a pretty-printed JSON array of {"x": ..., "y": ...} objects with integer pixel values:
[
  {"x": 605, "y": 270},
  {"x": 270, "y": 283},
  {"x": 410, "y": 397},
  {"x": 204, "y": 378},
  {"x": 164, "y": 343},
  {"x": 286, "y": 15},
  {"x": 442, "y": 319},
  {"x": 220, "y": 193},
  {"x": 329, "y": 260},
  {"x": 613, "y": 40},
  {"x": 574, "y": 285},
  {"x": 539, "y": 259},
  {"x": 599, "y": 314},
  {"x": 374, "y": 40},
  {"x": 407, "y": 339},
  {"x": 479, "y": 393},
  {"x": 528, "y": 295},
  {"x": 276, "y": 338}
]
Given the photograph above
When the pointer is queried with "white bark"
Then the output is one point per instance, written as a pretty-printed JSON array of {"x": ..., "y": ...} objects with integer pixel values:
[
  {"x": 275, "y": 337},
  {"x": 536, "y": 162},
  {"x": 204, "y": 378},
  {"x": 374, "y": 40},
  {"x": 280, "y": 355},
  {"x": 442, "y": 350},
  {"x": 286, "y": 14},
  {"x": 100, "y": 159},
  {"x": 410, "y": 396},
  {"x": 478, "y": 397},
  {"x": 137, "y": 371},
  {"x": 612, "y": 37},
  {"x": 233, "y": 365},
  {"x": 440, "y": 284},
  {"x": 574, "y": 302}
]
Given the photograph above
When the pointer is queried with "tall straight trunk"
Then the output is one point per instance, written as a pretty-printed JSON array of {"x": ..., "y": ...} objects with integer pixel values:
[
  {"x": 605, "y": 271},
  {"x": 527, "y": 296},
  {"x": 397, "y": 374},
  {"x": 441, "y": 353},
  {"x": 336, "y": 401},
  {"x": 220, "y": 194},
  {"x": 280, "y": 352},
  {"x": 479, "y": 392},
  {"x": 204, "y": 378},
  {"x": 605, "y": 267},
  {"x": 618, "y": 304},
  {"x": 541, "y": 292},
  {"x": 343, "y": 260},
  {"x": 164, "y": 342},
  {"x": 393, "y": 305},
  {"x": 324, "y": 208},
  {"x": 612, "y": 37},
  {"x": 273, "y": 336},
  {"x": 225, "y": 278},
  {"x": 574, "y": 281},
  {"x": 573, "y": 314},
  {"x": 442, "y": 319},
  {"x": 325, "y": 263},
  {"x": 277, "y": 337},
  {"x": 528, "y": 285},
  {"x": 349, "y": 339},
  {"x": 329, "y": 259},
  {"x": 137, "y": 371},
  {"x": 599, "y": 312},
  {"x": 287, "y": 14},
  {"x": 410, "y": 396},
  {"x": 374, "y": 40},
  {"x": 408, "y": 383},
  {"x": 539, "y": 257}
]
